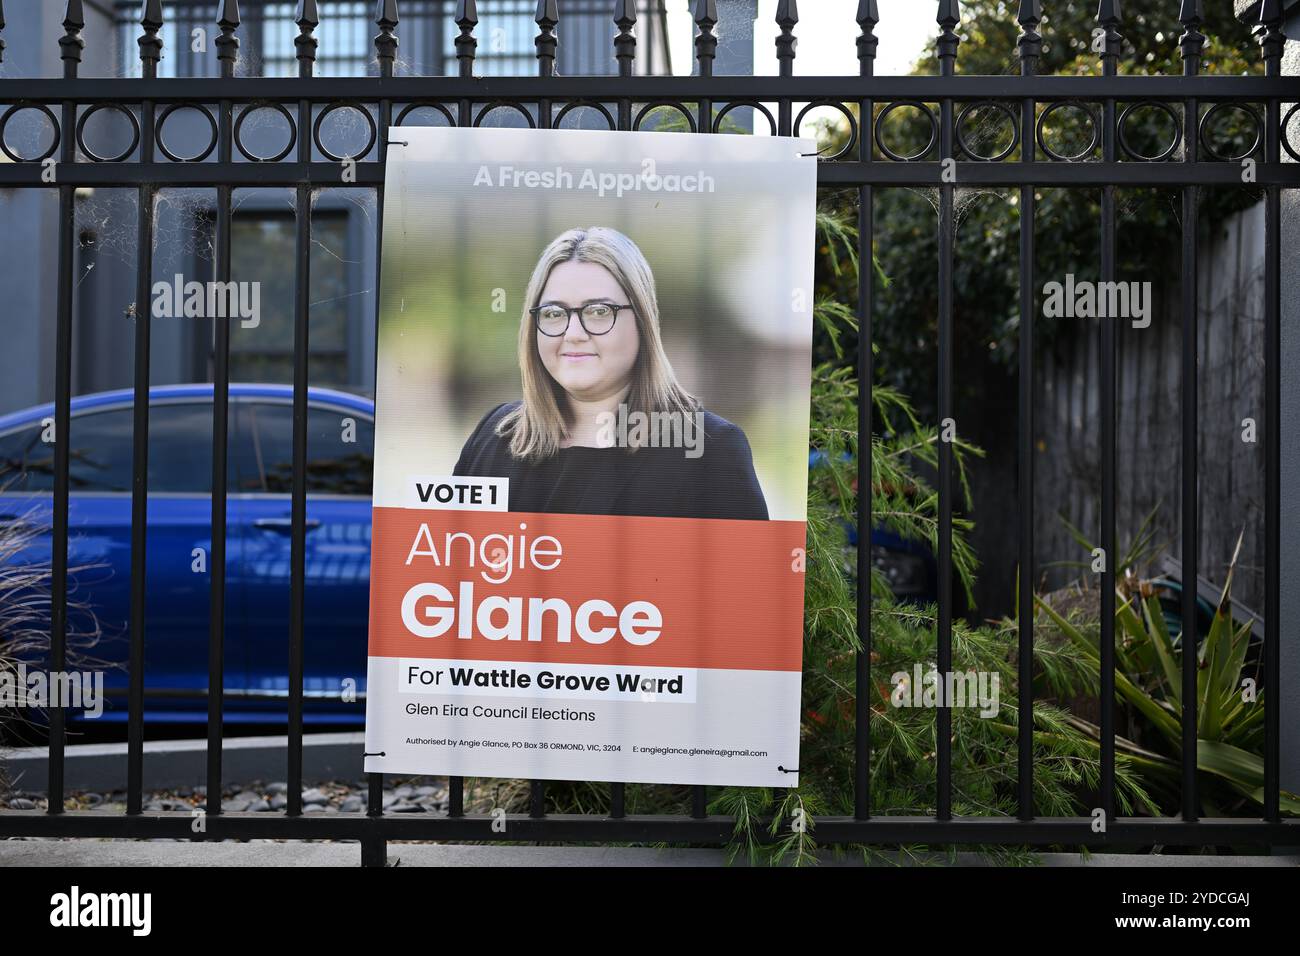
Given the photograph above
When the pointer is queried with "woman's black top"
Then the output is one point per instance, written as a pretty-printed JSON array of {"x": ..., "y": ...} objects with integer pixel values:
[{"x": 653, "y": 482}]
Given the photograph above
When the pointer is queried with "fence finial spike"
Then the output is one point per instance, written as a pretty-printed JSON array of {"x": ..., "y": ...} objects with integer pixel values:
[
  {"x": 945, "y": 46},
  {"x": 625, "y": 39},
  {"x": 624, "y": 10},
  {"x": 546, "y": 42},
  {"x": 1108, "y": 12},
  {"x": 228, "y": 15},
  {"x": 308, "y": 19},
  {"x": 787, "y": 17},
  {"x": 71, "y": 44},
  {"x": 2, "y": 26},
  {"x": 868, "y": 16},
  {"x": 1192, "y": 43},
  {"x": 75, "y": 15},
  {"x": 386, "y": 39},
  {"x": 227, "y": 43},
  {"x": 150, "y": 44},
  {"x": 1269, "y": 34},
  {"x": 465, "y": 16},
  {"x": 706, "y": 44},
  {"x": 1030, "y": 12},
  {"x": 1029, "y": 45}
]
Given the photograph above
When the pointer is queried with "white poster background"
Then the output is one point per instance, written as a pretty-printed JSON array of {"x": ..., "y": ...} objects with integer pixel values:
[{"x": 725, "y": 726}]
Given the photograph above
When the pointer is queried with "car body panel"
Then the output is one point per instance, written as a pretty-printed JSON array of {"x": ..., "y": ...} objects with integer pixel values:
[{"x": 178, "y": 547}]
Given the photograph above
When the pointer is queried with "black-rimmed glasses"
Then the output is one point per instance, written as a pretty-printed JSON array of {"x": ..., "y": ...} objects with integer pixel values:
[{"x": 596, "y": 318}]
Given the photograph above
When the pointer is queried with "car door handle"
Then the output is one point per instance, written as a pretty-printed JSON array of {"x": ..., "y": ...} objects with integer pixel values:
[{"x": 284, "y": 524}]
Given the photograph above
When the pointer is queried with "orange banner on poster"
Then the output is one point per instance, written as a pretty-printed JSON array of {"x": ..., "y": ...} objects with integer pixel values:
[{"x": 587, "y": 589}]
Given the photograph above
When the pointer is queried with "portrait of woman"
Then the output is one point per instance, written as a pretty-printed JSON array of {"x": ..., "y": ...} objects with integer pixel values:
[{"x": 604, "y": 427}]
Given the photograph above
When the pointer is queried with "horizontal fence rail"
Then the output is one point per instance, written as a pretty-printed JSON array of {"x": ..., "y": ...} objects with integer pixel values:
[{"x": 379, "y": 104}]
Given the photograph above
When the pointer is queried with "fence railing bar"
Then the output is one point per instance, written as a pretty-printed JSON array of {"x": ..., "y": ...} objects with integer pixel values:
[
  {"x": 842, "y": 172},
  {"x": 1271, "y": 43},
  {"x": 466, "y": 44},
  {"x": 374, "y": 849},
  {"x": 227, "y": 53},
  {"x": 787, "y": 18},
  {"x": 867, "y": 16},
  {"x": 706, "y": 17},
  {"x": 625, "y": 53},
  {"x": 546, "y": 42},
  {"x": 308, "y": 19},
  {"x": 547, "y": 18},
  {"x": 70, "y": 45},
  {"x": 1030, "y": 47},
  {"x": 1190, "y": 45},
  {"x": 625, "y": 43},
  {"x": 1108, "y": 17},
  {"x": 946, "y": 47},
  {"x": 706, "y": 48},
  {"x": 150, "y": 51},
  {"x": 467, "y": 18}
]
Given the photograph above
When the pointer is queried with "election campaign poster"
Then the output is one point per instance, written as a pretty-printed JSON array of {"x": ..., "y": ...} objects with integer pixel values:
[{"x": 591, "y": 456}]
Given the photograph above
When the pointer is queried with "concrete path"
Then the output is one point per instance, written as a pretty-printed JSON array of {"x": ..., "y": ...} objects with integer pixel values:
[{"x": 48, "y": 852}]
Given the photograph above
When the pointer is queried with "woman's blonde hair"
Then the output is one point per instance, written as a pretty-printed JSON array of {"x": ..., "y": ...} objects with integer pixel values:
[{"x": 538, "y": 425}]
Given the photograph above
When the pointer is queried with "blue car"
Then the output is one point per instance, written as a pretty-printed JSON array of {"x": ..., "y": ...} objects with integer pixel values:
[{"x": 340, "y": 447}]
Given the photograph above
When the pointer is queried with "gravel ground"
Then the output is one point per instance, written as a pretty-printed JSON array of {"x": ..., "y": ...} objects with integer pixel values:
[{"x": 414, "y": 795}]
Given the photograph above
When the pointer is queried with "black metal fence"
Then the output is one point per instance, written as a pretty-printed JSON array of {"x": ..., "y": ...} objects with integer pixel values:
[
  {"x": 267, "y": 29},
  {"x": 865, "y": 163}
]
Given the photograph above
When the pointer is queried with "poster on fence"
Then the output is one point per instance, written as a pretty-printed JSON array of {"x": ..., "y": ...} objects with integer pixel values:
[{"x": 591, "y": 456}]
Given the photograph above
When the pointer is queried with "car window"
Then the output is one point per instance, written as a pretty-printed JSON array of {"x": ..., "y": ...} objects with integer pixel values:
[
  {"x": 340, "y": 449},
  {"x": 99, "y": 457},
  {"x": 26, "y": 462},
  {"x": 180, "y": 449},
  {"x": 180, "y": 452}
]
